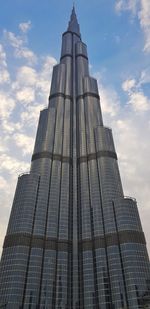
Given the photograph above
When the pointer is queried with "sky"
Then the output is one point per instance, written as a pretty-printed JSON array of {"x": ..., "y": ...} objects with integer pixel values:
[{"x": 117, "y": 33}]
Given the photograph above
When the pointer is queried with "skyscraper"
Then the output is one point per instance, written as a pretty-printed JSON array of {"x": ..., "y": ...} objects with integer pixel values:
[{"x": 73, "y": 240}]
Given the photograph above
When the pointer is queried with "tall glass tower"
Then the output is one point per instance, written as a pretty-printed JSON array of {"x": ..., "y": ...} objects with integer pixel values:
[{"x": 73, "y": 240}]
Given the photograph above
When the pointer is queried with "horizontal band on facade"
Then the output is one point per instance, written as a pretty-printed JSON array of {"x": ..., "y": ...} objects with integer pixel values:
[
  {"x": 88, "y": 94},
  {"x": 96, "y": 155},
  {"x": 66, "y": 55},
  {"x": 71, "y": 32},
  {"x": 49, "y": 155},
  {"x": 63, "y": 159},
  {"x": 60, "y": 94},
  {"x": 82, "y": 96},
  {"x": 112, "y": 239},
  {"x": 82, "y": 55},
  {"x": 36, "y": 242}
]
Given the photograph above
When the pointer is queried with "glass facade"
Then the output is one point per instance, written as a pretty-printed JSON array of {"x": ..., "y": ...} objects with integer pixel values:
[{"x": 73, "y": 240}]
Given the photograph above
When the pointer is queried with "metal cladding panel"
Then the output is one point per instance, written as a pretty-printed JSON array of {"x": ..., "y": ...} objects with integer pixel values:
[
  {"x": 58, "y": 79},
  {"x": 61, "y": 291},
  {"x": 104, "y": 139},
  {"x": 84, "y": 203},
  {"x": 110, "y": 189},
  {"x": 41, "y": 132},
  {"x": 21, "y": 218},
  {"x": 82, "y": 151},
  {"x": 42, "y": 165},
  {"x": 67, "y": 61},
  {"x": 103, "y": 288},
  {"x": 90, "y": 85},
  {"x": 93, "y": 113},
  {"x": 66, "y": 44},
  {"x": 81, "y": 49},
  {"x": 46, "y": 127},
  {"x": 95, "y": 199},
  {"x": 136, "y": 272},
  {"x": 82, "y": 70},
  {"x": 53, "y": 210},
  {"x": 92, "y": 119},
  {"x": 47, "y": 285},
  {"x": 63, "y": 224},
  {"x": 109, "y": 177},
  {"x": 41, "y": 207},
  {"x": 81, "y": 66},
  {"x": 21, "y": 221},
  {"x": 127, "y": 215},
  {"x": 32, "y": 286},
  {"x": 50, "y": 130},
  {"x": 66, "y": 129},
  {"x": 89, "y": 295},
  {"x": 12, "y": 279},
  {"x": 116, "y": 273},
  {"x": 59, "y": 127}
]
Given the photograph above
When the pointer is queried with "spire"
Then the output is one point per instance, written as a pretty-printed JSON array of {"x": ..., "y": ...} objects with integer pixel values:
[{"x": 73, "y": 23}]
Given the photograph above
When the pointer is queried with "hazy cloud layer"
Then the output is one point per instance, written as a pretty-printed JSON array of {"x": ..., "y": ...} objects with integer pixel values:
[
  {"x": 26, "y": 26},
  {"x": 141, "y": 10}
]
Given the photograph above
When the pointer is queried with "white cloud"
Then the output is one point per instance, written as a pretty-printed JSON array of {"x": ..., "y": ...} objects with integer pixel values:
[
  {"x": 48, "y": 64},
  {"x": 12, "y": 165},
  {"x": 144, "y": 16},
  {"x": 145, "y": 76},
  {"x": 26, "y": 76},
  {"x": 24, "y": 142},
  {"x": 8, "y": 124},
  {"x": 2, "y": 56},
  {"x": 119, "y": 5},
  {"x": 3, "y": 144},
  {"x": 14, "y": 41},
  {"x": 30, "y": 116},
  {"x": 128, "y": 84},
  {"x": 20, "y": 48},
  {"x": 125, "y": 5},
  {"x": 109, "y": 99},
  {"x": 145, "y": 13},
  {"x": 141, "y": 9},
  {"x": 139, "y": 101},
  {"x": 3, "y": 183},
  {"x": 27, "y": 54},
  {"x": 8, "y": 127},
  {"x": 4, "y": 76},
  {"x": 7, "y": 105},
  {"x": 25, "y": 27},
  {"x": 26, "y": 95},
  {"x": 136, "y": 98}
]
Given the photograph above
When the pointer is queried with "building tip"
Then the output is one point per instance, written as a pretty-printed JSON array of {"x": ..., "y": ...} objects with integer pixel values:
[
  {"x": 73, "y": 23},
  {"x": 73, "y": 7}
]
